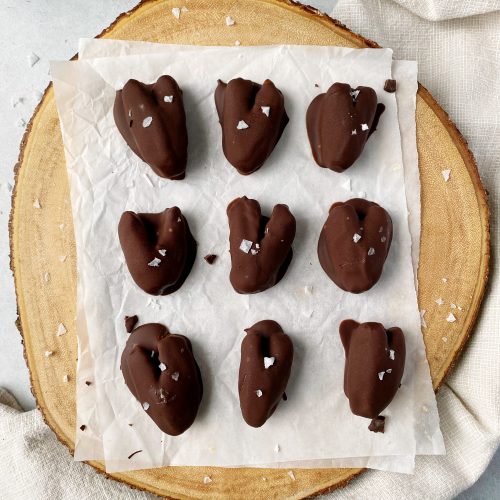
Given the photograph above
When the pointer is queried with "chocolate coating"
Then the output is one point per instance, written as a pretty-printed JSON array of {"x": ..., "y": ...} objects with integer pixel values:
[
  {"x": 377, "y": 424},
  {"x": 339, "y": 124},
  {"x": 265, "y": 263},
  {"x": 152, "y": 121},
  {"x": 371, "y": 375},
  {"x": 261, "y": 388},
  {"x": 355, "y": 266},
  {"x": 261, "y": 108},
  {"x": 159, "y": 249},
  {"x": 390, "y": 86},
  {"x": 161, "y": 372},
  {"x": 130, "y": 322}
]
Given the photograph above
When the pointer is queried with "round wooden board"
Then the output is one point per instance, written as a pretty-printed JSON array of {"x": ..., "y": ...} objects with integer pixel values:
[{"x": 455, "y": 237}]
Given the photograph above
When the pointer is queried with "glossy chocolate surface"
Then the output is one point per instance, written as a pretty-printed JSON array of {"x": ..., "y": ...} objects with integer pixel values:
[
  {"x": 161, "y": 372},
  {"x": 374, "y": 365},
  {"x": 261, "y": 247},
  {"x": 354, "y": 243},
  {"x": 152, "y": 121},
  {"x": 266, "y": 362},
  {"x": 159, "y": 249},
  {"x": 252, "y": 118},
  {"x": 339, "y": 123}
]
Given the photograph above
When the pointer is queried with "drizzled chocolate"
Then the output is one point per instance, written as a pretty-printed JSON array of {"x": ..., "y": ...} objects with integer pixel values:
[
  {"x": 266, "y": 362},
  {"x": 159, "y": 249},
  {"x": 354, "y": 244},
  {"x": 339, "y": 123},
  {"x": 261, "y": 247},
  {"x": 152, "y": 121},
  {"x": 252, "y": 118},
  {"x": 161, "y": 372},
  {"x": 374, "y": 365}
]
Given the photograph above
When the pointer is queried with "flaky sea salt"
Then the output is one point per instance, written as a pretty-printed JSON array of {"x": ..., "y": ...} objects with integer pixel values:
[
  {"x": 364, "y": 127},
  {"x": 46, "y": 277},
  {"x": 62, "y": 258},
  {"x": 147, "y": 121},
  {"x": 392, "y": 354},
  {"x": 371, "y": 251},
  {"x": 277, "y": 448},
  {"x": 36, "y": 203},
  {"x": 168, "y": 98},
  {"x": 237, "y": 43},
  {"x": 266, "y": 110},
  {"x": 446, "y": 175},
  {"x": 354, "y": 132},
  {"x": 66, "y": 379},
  {"x": 61, "y": 330},
  {"x": 259, "y": 393},
  {"x": 291, "y": 475},
  {"x": 242, "y": 125},
  {"x": 439, "y": 301},
  {"x": 246, "y": 245},
  {"x": 444, "y": 280},
  {"x": 254, "y": 252},
  {"x": 176, "y": 12},
  {"x": 444, "y": 339},
  {"x": 381, "y": 375},
  {"x": 162, "y": 252},
  {"x": 230, "y": 21},
  {"x": 175, "y": 376},
  {"x": 389, "y": 370},
  {"x": 354, "y": 94},
  {"x": 48, "y": 354},
  {"x": 145, "y": 406},
  {"x": 383, "y": 239},
  {"x": 207, "y": 480},
  {"x": 162, "y": 366},
  {"x": 451, "y": 318},
  {"x": 268, "y": 362},
  {"x": 184, "y": 9},
  {"x": 347, "y": 184},
  {"x": 422, "y": 319},
  {"x": 453, "y": 306},
  {"x": 155, "y": 262},
  {"x": 356, "y": 237},
  {"x": 308, "y": 290},
  {"x": 61, "y": 226}
]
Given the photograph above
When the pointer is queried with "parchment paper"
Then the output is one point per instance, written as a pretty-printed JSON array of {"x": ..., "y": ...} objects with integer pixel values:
[{"x": 106, "y": 178}]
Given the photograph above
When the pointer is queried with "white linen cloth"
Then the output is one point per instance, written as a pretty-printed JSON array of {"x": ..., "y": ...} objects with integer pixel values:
[{"x": 459, "y": 62}]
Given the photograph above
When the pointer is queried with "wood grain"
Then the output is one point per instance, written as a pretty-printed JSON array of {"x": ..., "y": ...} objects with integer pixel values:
[{"x": 455, "y": 237}]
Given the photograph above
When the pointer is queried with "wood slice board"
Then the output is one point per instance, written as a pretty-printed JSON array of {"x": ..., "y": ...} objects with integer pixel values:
[{"x": 454, "y": 245}]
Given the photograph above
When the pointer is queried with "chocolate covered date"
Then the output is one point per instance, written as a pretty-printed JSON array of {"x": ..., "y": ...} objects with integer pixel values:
[
  {"x": 152, "y": 121},
  {"x": 266, "y": 362},
  {"x": 374, "y": 365},
  {"x": 161, "y": 372},
  {"x": 354, "y": 243},
  {"x": 339, "y": 123},
  {"x": 261, "y": 247},
  {"x": 159, "y": 249},
  {"x": 252, "y": 118}
]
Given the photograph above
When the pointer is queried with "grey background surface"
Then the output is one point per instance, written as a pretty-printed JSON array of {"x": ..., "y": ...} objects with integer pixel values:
[{"x": 51, "y": 29}]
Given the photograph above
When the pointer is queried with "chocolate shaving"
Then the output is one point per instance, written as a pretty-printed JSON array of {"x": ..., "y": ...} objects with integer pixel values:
[
  {"x": 130, "y": 322},
  {"x": 377, "y": 424},
  {"x": 390, "y": 86},
  {"x": 83, "y": 427},
  {"x": 87, "y": 382},
  {"x": 211, "y": 258},
  {"x": 135, "y": 453}
]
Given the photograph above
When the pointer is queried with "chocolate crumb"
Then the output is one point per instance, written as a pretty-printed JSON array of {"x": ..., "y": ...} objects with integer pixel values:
[
  {"x": 316, "y": 85},
  {"x": 377, "y": 424},
  {"x": 87, "y": 382},
  {"x": 132, "y": 454},
  {"x": 83, "y": 427},
  {"x": 130, "y": 322},
  {"x": 390, "y": 86},
  {"x": 210, "y": 258},
  {"x": 131, "y": 425}
]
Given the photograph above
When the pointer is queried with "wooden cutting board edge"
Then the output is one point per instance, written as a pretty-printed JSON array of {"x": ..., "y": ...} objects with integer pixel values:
[{"x": 423, "y": 93}]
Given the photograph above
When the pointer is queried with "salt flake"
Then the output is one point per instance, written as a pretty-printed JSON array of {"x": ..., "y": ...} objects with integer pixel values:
[
  {"x": 381, "y": 375},
  {"x": 155, "y": 262},
  {"x": 168, "y": 98},
  {"x": 453, "y": 306},
  {"x": 446, "y": 175},
  {"x": 237, "y": 43},
  {"x": 383, "y": 239},
  {"x": 389, "y": 370},
  {"x": 184, "y": 9},
  {"x": 444, "y": 339},
  {"x": 175, "y": 376},
  {"x": 176, "y": 12},
  {"x": 254, "y": 252},
  {"x": 266, "y": 110},
  {"x": 451, "y": 318},
  {"x": 354, "y": 94},
  {"x": 356, "y": 237},
  {"x": 207, "y": 480},
  {"x": 364, "y": 127},
  {"x": 161, "y": 366},
  {"x": 36, "y": 203},
  {"x": 308, "y": 290},
  {"x": 259, "y": 393},
  {"x": 354, "y": 132},
  {"x": 371, "y": 251},
  {"x": 439, "y": 301},
  {"x": 422, "y": 319},
  {"x": 61, "y": 330},
  {"x": 242, "y": 125},
  {"x": 246, "y": 245},
  {"x": 147, "y": 121},
  {"x": 145, "y": 406},
  {"x": 268, "y": 362},
  {"x": 230, "y": 21},
  {"x": 291, "y": 475},
  {"x": 162, "y": 252},
  {"x": 444, "y": 280},
  {"x": 46, "y": 277}
]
